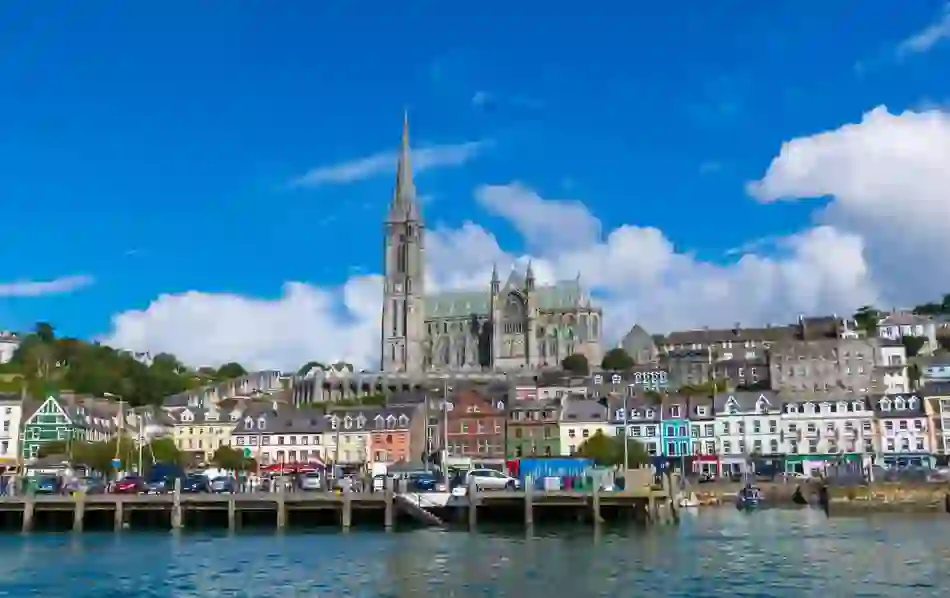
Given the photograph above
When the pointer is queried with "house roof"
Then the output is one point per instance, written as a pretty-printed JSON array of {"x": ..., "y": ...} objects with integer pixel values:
[
  {"x": 583, "y": 410},
  {"x": 898, "y": 406}
]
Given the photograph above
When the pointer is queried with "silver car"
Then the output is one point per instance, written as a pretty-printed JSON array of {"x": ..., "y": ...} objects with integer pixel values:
[
  {"x": 489, "y": 479},
  {"x": 310, "y": 481}
]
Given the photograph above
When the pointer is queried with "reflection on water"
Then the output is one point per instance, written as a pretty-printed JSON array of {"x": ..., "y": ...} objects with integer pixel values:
[{"x": 713, "y": 553}]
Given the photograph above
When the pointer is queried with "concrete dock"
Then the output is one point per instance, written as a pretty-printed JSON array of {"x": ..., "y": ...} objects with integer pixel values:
[{"x": 279, "y": 510}]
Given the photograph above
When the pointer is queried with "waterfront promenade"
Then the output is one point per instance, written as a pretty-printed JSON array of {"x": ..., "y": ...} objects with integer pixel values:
[{"x": 387, "y": 509}]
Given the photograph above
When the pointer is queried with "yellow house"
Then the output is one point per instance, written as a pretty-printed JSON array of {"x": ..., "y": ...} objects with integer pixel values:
[
  {"x": 202, "y": 431},
  {"x": 580, "y": 420}
]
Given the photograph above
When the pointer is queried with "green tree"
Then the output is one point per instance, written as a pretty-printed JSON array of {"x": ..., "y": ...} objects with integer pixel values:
[
  {"x": 866, "y": 319},
  {"x": 576, "y": 364},
  {"x": 913, "y": 345},
  {"x": 229, "y": 458},
  {"x": 704, "y": 388},
  {"x": 616, "y": 359},
  {"x": 162, "y": 450},
  {"x": 230, "y": 371},
  {"x": 309, "y": 366},
  {"x": 607, "y": 451}
]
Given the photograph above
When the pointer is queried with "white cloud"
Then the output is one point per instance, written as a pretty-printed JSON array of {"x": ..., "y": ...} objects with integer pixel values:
[
  {"x": 38, "y": 288},
  {"x": 880, "y": 238},
  {"x": 928, "y": 37},
  {"x": 424, "y": 158}
]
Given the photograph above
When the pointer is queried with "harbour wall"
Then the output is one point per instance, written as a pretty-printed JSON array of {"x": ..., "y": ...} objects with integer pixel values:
[{"x": 877, "y": 497}]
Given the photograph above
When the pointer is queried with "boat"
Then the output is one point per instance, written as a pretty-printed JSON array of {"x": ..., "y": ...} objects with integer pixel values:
[
  {"x": 688, "y": 501},
  {"x": 749, "y": 498}
]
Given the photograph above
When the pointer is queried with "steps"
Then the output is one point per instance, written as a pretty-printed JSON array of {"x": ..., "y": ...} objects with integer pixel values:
[{"x": 414, "y": 505}]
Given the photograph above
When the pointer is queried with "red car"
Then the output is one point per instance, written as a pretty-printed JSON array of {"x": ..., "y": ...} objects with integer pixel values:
[{"x": 129, "y": 485}]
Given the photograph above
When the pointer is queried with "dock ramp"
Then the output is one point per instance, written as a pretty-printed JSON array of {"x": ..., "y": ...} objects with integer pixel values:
[{"x": 416, "y": 505}]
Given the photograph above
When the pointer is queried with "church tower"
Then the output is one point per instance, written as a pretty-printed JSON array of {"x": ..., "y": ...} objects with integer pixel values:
[{"x": 402, "y": 338}]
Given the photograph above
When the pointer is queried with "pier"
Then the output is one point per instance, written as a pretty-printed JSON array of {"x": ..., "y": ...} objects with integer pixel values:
[{"x": 385, "y": 510}]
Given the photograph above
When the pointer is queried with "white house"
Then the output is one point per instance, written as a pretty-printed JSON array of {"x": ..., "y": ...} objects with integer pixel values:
[
  {"x": 748, "y": 423},
  {"x": 11, "y": 411},
  {"x": 890, "y": 359},
  {"x": 825, "y": 429},
  {"x": 9, "y": 343},
  {"x": 898, "y": 324},
  {"x": 903, "y": 431}
]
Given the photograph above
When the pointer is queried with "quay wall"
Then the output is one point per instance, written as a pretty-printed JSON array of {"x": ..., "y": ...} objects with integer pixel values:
[{"x": 878, "y": 497}]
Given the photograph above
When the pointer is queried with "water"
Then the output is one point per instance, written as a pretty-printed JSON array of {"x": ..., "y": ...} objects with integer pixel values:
[{"x": 715, "y": 553}]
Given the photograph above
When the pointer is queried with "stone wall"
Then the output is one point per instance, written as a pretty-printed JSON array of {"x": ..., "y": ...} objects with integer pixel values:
[{"x": 880, "y": 497}]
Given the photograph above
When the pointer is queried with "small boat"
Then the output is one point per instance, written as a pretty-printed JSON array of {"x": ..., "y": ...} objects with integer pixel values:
[
  {"x": 749, "y": 498},
  {"x": 688, "y": 501}
]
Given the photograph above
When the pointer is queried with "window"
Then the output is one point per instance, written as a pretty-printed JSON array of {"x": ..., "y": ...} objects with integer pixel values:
[
  {"x": 701, "y": 411},
  {"x": 694, "y": 431},
  {"x": 571, "y": 433},
  {"x": 670, "y": 430},
  {"x": 773, "y": 446},
  {"x": 756, "y": 427},
  {"x": 812, "y": 445},
  {"x": 920, "y": 445},
  {"x": 675, "y": 412},
  {"x": 651, "y": 413},
  {"x": 709, "y": 430},
  {"x": 651, "y": 430},
  {"x": 710, "y": 447},
  {"x": 671, "y": 449},
  {"x": 726, "y": 447}
]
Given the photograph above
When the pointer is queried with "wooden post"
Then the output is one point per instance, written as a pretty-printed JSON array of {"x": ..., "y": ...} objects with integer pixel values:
[
  {"x": 347, "y": 508},
  {"x": 232, "y": 514},
  {"x": 595, "y": 504},
  {"x": 281, "y": 506},
  {"x": 388, "y": 496},
  {"x": 28, "y": 509},
  {"x": 528, "y": 501},
  {"x": 119, "y": 515},
  {"x": 79, "y": 511},
  {"x": 177, "y": 520},
  {"x": 472, "y": 505}
]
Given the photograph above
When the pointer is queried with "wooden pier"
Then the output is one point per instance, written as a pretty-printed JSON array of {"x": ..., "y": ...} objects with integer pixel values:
[{"x": 379, "y": 510}]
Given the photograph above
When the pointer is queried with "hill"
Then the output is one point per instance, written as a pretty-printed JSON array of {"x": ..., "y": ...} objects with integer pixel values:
[{"x": 100, "y": 370}]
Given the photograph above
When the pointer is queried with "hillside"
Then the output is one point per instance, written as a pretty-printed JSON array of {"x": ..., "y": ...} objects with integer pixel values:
[{"x": 100, "y": 370}]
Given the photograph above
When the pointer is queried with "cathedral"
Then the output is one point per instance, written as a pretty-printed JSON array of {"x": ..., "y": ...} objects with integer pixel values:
[{"x": 511, "y": 325}]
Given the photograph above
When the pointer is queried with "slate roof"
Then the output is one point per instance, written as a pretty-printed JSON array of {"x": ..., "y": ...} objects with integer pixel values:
[
  {"x": 583, "y": 410},
  {"x": 936, "y": 389},
  {"x": 710, "y": 336},
  {"x": 563, "y": 295},
  {"x": 638, "y": 409},
  {"x": 913, "y": 406}
]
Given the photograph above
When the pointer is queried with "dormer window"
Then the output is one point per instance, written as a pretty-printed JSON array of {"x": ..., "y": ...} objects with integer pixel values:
[
  {"x": 809, "y": 408},
  {"x": 360, "y": 421},
  {"x": 899, "y": 404},
  {"x": 701, "y": 410},
  {"x": 857, "y": 406},
  {"x": 334, "y": 422},
  {"x": 824, "y": 408},
  {"x": 912, "y": 403},
  {"x": 635, "y": 414},
  {"x": 791, "y": 409},
  {"x": 403, "y": 420},
  {"x": 730, "y": 409},
  {"x": 249, "y": 423},
  {"x": 842, "y": 407},
  {"x": 347, "y": 422},
  {"x": 500, "y": 406},
  {"x": 379, "y": 421},
  {"x": 261, "y": 423},
  {"x": 619, "y": 415},
  {"x": 651, "y": 413},
  {"x": 675, "y": 412},
  {"x": 391, "y": 421},
  {"x": 885, "y": 405}
]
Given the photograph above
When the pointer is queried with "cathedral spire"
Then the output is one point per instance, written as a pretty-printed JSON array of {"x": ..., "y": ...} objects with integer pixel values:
[{"x": 404, "y": 205}]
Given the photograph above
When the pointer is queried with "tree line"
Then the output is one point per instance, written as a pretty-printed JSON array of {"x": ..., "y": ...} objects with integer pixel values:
[
  {"x": 44, "y": 360},
  {"x": 99, "y": 456}
]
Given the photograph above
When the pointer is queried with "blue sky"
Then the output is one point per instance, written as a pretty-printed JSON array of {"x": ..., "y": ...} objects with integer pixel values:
[{"x": 152, "y": 150}]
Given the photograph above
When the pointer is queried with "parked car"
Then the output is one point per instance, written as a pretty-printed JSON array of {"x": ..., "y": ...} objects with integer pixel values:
[
  {"x": 48, "y": 485},
  {"x": 310, "y": 481},
  {"x": 194, "y": 484},
  {"x": 489, "y": 479},
  {"x": 91, "y": 485},
  {"x": 424, "y": 481},
  {"x": 130, "y": 485},
  {"x": 222, "y": 485}
]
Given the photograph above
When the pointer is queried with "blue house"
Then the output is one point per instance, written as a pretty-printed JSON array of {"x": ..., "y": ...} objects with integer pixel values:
[{"x": 674, "y": 427}]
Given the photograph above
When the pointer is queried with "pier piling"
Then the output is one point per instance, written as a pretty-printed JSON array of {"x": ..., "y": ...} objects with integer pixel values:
[
  {"x": 388, "y": 496},
  {"x": 347, "y": 516},
  {"x": 28, "y": 509},
  {"x": 79, "y": 511},
  {"x": 281, "y": 507},
  {"x": 595, "y": 504},
  {"x": 176, "y": 520},
  {"x": 528, "y": 501},
  {"x": 232, "y": 514},
  {"x": 472, "y": 505},
  {"x": 119, "y": 516}
]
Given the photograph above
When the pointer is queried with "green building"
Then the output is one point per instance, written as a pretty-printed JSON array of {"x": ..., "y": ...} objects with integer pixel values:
[
  {"x": 533, "y": 429},
  {"x": 44, "y": 422}
]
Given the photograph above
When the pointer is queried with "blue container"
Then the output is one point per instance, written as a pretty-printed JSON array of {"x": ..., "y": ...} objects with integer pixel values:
[{"x": 557, "y": 467}]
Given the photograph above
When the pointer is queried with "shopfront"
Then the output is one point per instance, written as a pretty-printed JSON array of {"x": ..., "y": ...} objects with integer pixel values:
[
  {"x": 813, "y": 464},
  {"x": 706, "y": 464},
  {"x": 905, "y": 460}
]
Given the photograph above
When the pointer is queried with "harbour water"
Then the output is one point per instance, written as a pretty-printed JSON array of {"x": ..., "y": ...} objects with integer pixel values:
[{"x": 720, "y": 552}]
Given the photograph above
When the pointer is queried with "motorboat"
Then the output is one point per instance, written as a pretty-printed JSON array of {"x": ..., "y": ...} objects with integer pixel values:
[
  {"x": 688, "y": 501},
  {"x": 749, "y": 498}
]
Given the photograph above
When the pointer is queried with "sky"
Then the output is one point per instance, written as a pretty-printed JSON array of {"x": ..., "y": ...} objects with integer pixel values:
[{"x": 210, "y": 179}]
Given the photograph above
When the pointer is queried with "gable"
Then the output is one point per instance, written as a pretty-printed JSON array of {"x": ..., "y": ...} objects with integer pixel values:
[
  {"x": 49, "y": 413},
  {"x": 763, "y": 399}
]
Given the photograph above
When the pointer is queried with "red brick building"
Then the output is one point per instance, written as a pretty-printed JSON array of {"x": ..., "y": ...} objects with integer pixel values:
[{"x": 476, "y": 426}]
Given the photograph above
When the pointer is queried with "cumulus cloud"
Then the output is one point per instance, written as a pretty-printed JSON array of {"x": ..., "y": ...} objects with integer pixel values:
[
  {"x": 879, "y": 238},
  {"x": 38, "y": 288}
]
